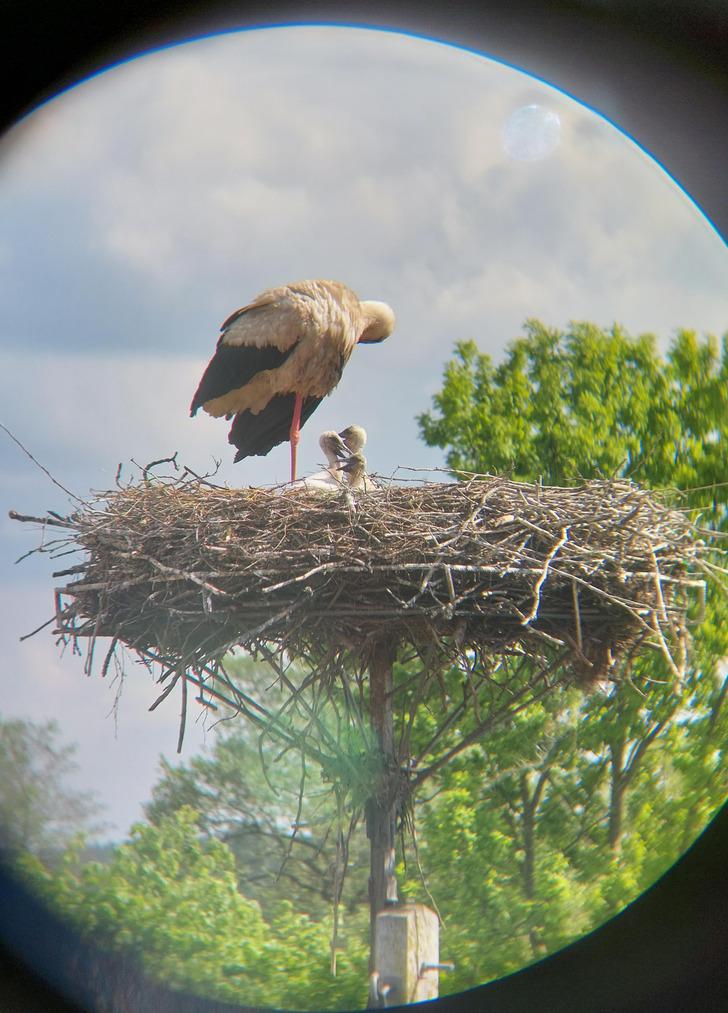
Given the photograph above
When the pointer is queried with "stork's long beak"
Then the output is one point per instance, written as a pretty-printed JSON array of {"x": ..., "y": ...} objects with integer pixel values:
[{"x": 364, "y": 340}]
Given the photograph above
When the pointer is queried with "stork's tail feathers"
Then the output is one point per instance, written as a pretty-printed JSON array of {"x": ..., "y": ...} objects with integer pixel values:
[{"x": 256, "y": 435}]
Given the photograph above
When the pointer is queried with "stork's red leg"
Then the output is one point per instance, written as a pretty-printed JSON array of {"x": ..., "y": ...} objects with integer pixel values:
[{"x": 295, "y": 430}]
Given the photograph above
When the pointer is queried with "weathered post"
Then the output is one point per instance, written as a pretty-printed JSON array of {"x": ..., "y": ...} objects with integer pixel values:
[
  {"x": 404, "y": 939},
  {"x": 406, "y": 956},
  {"x": 381, "y": 807}
]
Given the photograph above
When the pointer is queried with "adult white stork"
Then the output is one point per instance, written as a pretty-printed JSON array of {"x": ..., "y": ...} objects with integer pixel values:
[{"x": 278, "y": 357}]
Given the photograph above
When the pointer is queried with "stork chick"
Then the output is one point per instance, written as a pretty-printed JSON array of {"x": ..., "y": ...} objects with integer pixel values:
[
  {"x": 331, "y": 478},
  {"x": 355, "y": 473},
  {"x": 354, "y": 438}
]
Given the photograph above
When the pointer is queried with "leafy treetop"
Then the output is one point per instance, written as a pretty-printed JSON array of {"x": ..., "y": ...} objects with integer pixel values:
[{"x": 586, "y": 401}]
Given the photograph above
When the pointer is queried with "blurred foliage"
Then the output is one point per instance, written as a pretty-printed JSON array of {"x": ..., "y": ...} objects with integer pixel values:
[
  {"x": 169, "y": 898},
  {"x": 251, "y": 794},
  {"x": 39, "y": 811},
  {"x": 524, "y": 843}
]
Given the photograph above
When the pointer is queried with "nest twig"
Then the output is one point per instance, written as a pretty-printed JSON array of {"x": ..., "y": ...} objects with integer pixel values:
[{"x": 181, "y": 571}]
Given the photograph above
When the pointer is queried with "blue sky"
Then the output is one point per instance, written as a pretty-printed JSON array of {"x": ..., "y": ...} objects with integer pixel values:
[{"x": 140, "y": 208}]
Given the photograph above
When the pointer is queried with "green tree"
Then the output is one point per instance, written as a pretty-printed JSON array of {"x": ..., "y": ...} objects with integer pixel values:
[
  {"x": 571, "y": 830},
  {"x": 557, "y": 819},
  {"x": 169, "y": 898},
  {"x": 574, "y": 404},
  {"x": 255, "y": 809},
  {"x": 39, "y": 811},
  {"x": 491, "y": 845}
]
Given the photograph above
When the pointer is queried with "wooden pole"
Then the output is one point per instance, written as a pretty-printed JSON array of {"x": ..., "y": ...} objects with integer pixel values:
[
  {"x": 381, "y": 807},
  {"x": 407, "y": 956},
  {"x": 404, "y": 939}
]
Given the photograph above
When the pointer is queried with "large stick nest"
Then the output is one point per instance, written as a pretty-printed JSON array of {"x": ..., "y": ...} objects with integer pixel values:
[{"x": 181, "y": 570}]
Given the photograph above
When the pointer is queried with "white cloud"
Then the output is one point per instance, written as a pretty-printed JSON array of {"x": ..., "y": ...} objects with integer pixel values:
[{"x": 201, "y": 174}]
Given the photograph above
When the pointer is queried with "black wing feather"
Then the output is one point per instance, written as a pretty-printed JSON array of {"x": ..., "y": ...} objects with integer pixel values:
[
  {"x": 232, "y": 366},
  {"x": 255, "y": 435}
]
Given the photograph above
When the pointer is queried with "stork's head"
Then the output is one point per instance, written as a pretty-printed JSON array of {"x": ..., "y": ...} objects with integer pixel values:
[
  {"x": 355, "y": 470},
  {"x": 333, "y": 446},
  {"x": 378, "y": 322},
  {"x": 354, "y": 437}
]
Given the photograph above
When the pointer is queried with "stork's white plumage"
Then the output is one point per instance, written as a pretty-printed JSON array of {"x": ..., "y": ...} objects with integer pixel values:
[
  {"x": 332, "y": 477},
  {"x": 334, "y": 448},
  {"x": 279, "y": 356}
]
